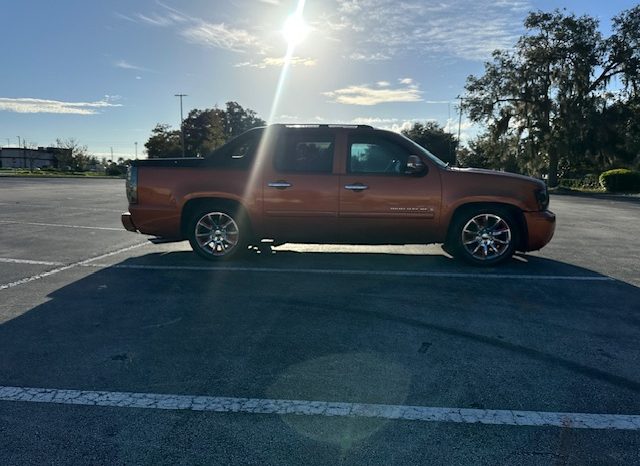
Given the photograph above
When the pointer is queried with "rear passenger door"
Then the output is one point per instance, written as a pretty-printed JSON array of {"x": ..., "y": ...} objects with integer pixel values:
[{"x": 300, "y": 191}]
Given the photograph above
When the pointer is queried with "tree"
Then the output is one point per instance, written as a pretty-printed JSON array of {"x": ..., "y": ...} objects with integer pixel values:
[
  {"x": 547, "y": 96},
  {"x": 435, "y": 139},
  {"x": 117, "y": 168},
  {"x": 239, "y": 120},
  {"x": 73, "y": 155},
  {"x": 204, "y": 131},
  {"x": 164, "y": 142}
]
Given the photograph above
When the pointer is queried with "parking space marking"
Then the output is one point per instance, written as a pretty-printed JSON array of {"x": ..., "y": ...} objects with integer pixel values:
[
  {"x": 60, "y": 206},
  {"x": 8, "y": 260},
  {"x": 12, "y": 222},
  {"x": 321, "y": 408},
  {"x": 398, "y": 273},
  {"x": 48, "y": 273}
]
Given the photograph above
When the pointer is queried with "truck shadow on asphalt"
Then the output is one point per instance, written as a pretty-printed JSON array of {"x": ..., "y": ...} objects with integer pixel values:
[
  {"x": 152, "y": 324},
  {"x": 431, "y": 262}
]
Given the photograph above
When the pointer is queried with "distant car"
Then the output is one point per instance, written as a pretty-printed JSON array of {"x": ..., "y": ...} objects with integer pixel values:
[{"x": 335, "y": 184}]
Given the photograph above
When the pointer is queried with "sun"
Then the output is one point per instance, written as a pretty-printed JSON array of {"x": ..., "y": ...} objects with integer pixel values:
[{"x": 295, "y": 29}]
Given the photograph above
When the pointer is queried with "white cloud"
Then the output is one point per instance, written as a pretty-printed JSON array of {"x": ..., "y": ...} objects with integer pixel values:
[
  {"x": 125, "y": 65},
  {"x": 221, "y": 36},
  {"x": 370, "y": 57},
  {"x": 31, "y": 105},
  {"x": 468, "y": 29},
  {"x": 198, "y": 31},
  {"x": 405, "y": 81},
  {"x": 124, "y": 17},
  {"x": 367, "y": 95},
  {"x": 392, "y": 124},
  {"x": 383, "y": 83},
  {"x": 278, "y": 62},
  {"x": 468, "y": 130}
]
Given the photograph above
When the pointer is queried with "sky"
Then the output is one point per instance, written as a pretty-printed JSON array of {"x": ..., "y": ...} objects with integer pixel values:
[{"x": 106, "y": 72}]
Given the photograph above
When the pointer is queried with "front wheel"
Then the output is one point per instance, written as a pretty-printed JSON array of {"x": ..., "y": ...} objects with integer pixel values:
[
  {"x": 484, "y": 237},
  {"x": 217, "y": 234}
]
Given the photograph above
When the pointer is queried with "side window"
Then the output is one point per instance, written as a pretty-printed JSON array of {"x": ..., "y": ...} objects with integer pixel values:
[
  {"x": 376, "y": 156},
  {"x": 237, "y": 153},
  {"x": 306, "y": 153}
]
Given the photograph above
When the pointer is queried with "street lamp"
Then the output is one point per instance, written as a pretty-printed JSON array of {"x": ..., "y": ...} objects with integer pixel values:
[
  {"x": 460, "y": 118},
  {"x": 181, "y": 122}
]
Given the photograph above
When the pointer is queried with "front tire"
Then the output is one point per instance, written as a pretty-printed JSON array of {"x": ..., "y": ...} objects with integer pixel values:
[
  {"x": 484, "y": 237},
  {"x": 218, "y": 233}
]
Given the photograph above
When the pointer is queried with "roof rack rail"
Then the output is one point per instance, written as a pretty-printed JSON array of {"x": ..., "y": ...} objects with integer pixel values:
[{"x": 321, "y": 125}]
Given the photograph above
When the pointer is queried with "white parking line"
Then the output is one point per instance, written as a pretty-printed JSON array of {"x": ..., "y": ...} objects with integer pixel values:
[
  {"x": 397, "y": 273},
  {"x": 60, "y": 225},
  {"x": 321, "y": 408},
  {"x": 8, "y": 260},
  {"x": 67, "y": 267},
  {"x": 61, "y": 206}
]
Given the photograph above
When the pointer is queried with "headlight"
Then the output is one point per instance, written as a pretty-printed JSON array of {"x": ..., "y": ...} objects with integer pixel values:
[
  {"x": 132, "y": 184},
  {"x": 542, "y": 196}
]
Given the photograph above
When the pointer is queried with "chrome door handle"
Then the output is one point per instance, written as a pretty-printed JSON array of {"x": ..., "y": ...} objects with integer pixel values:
[
  {"x": 279, "y": 184},
  {"x": 356, "y": 187}
]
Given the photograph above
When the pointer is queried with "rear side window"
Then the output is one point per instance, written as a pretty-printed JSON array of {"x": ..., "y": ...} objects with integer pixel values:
[
  {"x": 237, "y": 153},
  {"x": 311, "y": 153},
  {"x": 375, "y": 155}
]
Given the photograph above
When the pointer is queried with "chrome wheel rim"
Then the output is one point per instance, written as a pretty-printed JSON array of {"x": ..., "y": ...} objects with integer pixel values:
[
  {"x": 217, "y": 233},
  {"x": 486, "y": 237}
]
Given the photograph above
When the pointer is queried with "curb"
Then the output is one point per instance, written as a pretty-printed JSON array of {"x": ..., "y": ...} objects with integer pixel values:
[{"x": 635, "y": 198}]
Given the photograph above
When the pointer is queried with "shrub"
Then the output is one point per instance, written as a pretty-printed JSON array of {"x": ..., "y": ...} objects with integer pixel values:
[
  {"x": 589, "y": 181},
  {"x": 621, "y": 180}
]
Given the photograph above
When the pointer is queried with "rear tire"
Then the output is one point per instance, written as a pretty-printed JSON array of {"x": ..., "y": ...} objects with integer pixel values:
[
  {"x": 484, "y": 237},
  {"x": 218, "y": 233}
]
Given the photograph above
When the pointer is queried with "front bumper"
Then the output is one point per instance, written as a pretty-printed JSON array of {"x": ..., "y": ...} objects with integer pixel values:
[
  {"x": 127, "y": 222},
  {"x": 540, "y": 228}
]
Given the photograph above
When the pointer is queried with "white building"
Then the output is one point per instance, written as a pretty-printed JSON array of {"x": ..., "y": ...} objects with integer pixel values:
[{"x": 17, "y": 157}]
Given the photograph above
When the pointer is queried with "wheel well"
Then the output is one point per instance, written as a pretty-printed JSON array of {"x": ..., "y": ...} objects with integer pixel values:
[
  {"x": 513, "y": 210},
  {"x": 194, "y": 205}
]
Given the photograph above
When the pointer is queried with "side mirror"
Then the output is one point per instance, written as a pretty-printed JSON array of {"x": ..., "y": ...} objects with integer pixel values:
[{"x": 415, "y": 166}]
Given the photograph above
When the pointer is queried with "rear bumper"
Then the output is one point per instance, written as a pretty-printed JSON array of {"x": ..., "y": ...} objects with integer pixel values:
[
  {"x": 540, "y": 228},
  {"x": 127, "y": 222}
]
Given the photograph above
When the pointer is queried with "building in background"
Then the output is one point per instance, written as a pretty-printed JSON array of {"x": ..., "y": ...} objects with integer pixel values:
[{"x": 42, "y": 157}]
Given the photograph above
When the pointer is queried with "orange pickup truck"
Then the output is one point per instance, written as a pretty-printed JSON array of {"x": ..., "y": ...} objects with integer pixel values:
[{"x": 335, "y": 184}]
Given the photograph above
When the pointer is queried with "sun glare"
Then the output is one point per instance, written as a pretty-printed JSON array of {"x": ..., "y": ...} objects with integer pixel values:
[{"x": 295, "y": 29}]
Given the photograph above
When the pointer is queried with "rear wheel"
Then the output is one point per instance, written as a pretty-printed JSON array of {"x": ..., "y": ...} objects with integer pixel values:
[
  {"x": 484, "y": 237},
  {"x": 218, "y": 234}
]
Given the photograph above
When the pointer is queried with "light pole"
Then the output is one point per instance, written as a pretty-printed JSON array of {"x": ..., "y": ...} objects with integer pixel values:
[
  {"x": 19, "y": 144},
  {"x": 181, "y": 122},
  {"x": 459, "y": 118},
  {"x": 136, "y": 144}
]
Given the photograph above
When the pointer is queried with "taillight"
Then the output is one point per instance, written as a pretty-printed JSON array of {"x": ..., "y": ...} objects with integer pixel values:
[{"x": 132, "y": 184}]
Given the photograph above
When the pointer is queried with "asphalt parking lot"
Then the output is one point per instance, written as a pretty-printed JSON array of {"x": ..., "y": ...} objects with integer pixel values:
[{"x": 117, "y": 351}]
